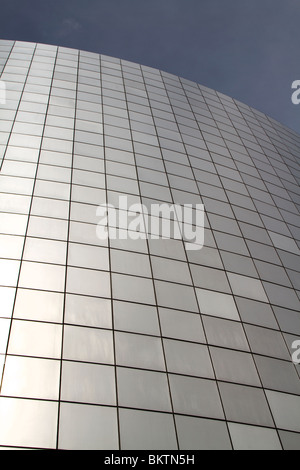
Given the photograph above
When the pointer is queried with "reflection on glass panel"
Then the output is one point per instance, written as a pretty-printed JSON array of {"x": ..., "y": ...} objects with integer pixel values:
[
  {"x": 89, "y": 195},
  {"x": 170, "y": 270},
  {"x": 176, "y": 296},
  {"x": 266, "y": 342},
  {"x": 228, "y": 334},
  {"x": 96, "y": 384},
  {"x": 290, "y": 440},
  {"x": 33, "y": 423},
  {"x": 288, "y": 320},
  {"x": 42, "y": 276},
  {"x": 136, "y": 318},
  {"x": 143, "y": 389},
  {"x": 150, "y": 352},
  {"x": 217, "y": 304},
  {"x": 45, "y": 251},
  {"x": 202, "y": 434},
  {"x": 88, "y": 256},
  {"x": 87, "y": 427},
  {"x": 88, "y": 282},
  {"x": 85, "y": 233},
  {"x": 88, "y": 344},
  {"x": 35, "y": 339},
  {"x": 245, "y": 404},
  {"x": 130, "y": 263},
  {"x": 282, "y": 296},
  {"x": 278, "y": 375},
  {"x": 39, "y": 305},
  {"x": 181, "y": 325},
  {"x": 88, "y": 311},
  {"x": 47, "y": 228},
  {"x": 247, "y": 287},
  {"x": 50, "y": 208},
  {"x": 234, "y": 366},
  {"x": 209, "y": 278},
  {"x": 31, "y": 378},
  {"x": 133, "y": 288},
  {"x": 256, "y": 312},
  {"x": 146, "y": 430},
  {"x": 285, "y": 409},
  {"x": 195, "y": 396},
  {"x": 188, "y": 358},
  {"x": 52, "y": 189},
  {"x": 253, "y": 438}
]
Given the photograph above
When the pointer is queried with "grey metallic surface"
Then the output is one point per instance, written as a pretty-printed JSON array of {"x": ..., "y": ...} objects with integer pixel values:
[{"x": 124, "y": 344}]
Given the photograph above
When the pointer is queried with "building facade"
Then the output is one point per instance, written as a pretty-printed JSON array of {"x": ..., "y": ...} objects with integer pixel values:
[{"x": 141, "y": 341}]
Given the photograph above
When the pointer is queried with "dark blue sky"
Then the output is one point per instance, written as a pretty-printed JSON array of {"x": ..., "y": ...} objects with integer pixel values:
[{"x": 248, "y": 49}]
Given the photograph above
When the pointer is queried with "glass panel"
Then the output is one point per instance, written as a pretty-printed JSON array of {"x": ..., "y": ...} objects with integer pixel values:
[
  {"x": 253, "y": 438},
  {"x": 88, "y": 344},
  {"x": 146, "y": 430},
  {"x": 245, "y": 404},
  {"x": 143, "y": 389},
  {"x": 285, "y": 409},
  {"x": 89, "y": 383},
  {"x": 46, "y": 251},
  {"x": 217, "y": 304},
  {"x": 88, "y": 311},
  {"x": 256, "y": 312},
  {"x": 135, "y": 289},
  {"x": 88, "y": 256},
  {"x": 176, "y": 296},
  {"x": 35, "y": 339},
  {"x": 136, "y": 318},
  {"x": 33, "y": 423},
  {"x": 139, "y": 351},
  {"x": 42, "y": 276},
  {"x": 130, "y": 263},
  {"x": 267, "y": 342},
  {"x": 208, "y": 278},
  {"x": 47, "y": 228},
  {"x": 88, "y": 282},
  {"x": 188, "y": 358},
  {"x": 39, "y": 305},
  {"x": 202, "y": 434},
  {"x": 195, "y": 396},
  {"x": 225, "y": 333},
  {"x": 234, "y": 366},
  {"x": 87, "y": 427},
  {"x": 290, "y": 440},
  {"x": 31, "y": 378},
  {"x": 278, "y": 375},
  {"x": 181, "y": 325}
]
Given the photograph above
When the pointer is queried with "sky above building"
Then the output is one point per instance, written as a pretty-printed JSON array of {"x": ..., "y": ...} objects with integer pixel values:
[{"x": 247, "y": 49}]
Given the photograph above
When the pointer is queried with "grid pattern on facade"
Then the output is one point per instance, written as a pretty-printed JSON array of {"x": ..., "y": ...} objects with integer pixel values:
[{"x": 143, "y": 344}]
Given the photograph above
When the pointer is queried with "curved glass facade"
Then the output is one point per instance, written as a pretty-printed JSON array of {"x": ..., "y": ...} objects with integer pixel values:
[{"x": 143, "y": 342}]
